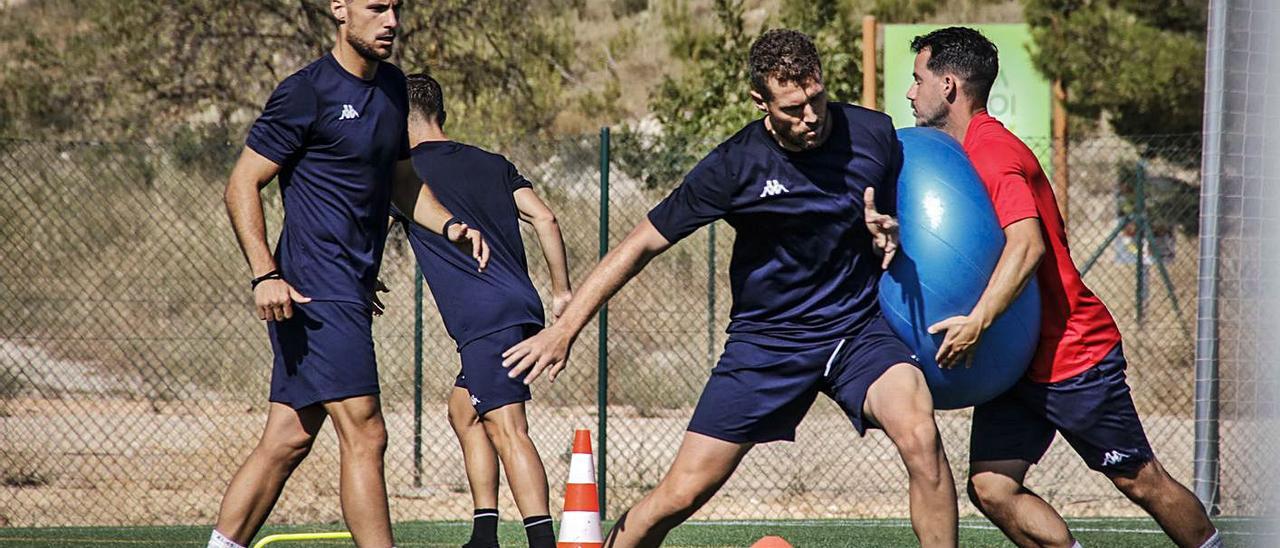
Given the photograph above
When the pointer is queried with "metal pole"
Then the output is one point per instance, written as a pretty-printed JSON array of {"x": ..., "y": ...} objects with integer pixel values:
[
  {"x": 1140, "y": 229},
  {"x": 417, "y": 377},
  {"x": 711, "y": 294},
  {"x": 869, "y": 70},
  {"x": 1061, "y": 174},
  {"x": 1205, "y": 460},
  {"x": 602, "y": 334}
]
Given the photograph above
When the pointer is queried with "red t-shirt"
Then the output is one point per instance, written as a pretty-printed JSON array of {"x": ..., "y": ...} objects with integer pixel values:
[{"x": 1076, "y": 330}]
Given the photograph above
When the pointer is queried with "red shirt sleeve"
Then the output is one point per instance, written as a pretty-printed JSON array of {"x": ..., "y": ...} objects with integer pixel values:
[{"x": 1006, "y": 183}]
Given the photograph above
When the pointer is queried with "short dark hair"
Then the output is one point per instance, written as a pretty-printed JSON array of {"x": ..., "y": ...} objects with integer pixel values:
[
  {"x": 425, "y": 97},
  {"x": 964, "y": 52},
  {"x": 786, "y": 55}
]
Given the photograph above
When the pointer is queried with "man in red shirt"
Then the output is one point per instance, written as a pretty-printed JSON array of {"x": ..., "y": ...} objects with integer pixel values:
[{"x": 1076, "y": 382}]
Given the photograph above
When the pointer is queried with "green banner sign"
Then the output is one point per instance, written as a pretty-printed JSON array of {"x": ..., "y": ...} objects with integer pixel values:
[{"x": 1020, "y": 98}]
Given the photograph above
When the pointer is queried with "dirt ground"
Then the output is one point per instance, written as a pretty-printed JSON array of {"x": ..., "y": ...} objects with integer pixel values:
[{"x": 117, "y": 462}]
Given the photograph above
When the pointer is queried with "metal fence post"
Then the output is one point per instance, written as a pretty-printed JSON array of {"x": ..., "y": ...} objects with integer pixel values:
[
  {"x": 1140, "y": 239},
  {"x": 602, "y": 333},
  {"x": 1205, "y": 460},
  {"x": 417, "y": 377},
  {"x": 711, "y": 293}
]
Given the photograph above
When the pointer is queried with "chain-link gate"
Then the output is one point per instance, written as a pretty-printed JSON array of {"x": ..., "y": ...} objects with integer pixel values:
[{"x": 133, "y": 372}]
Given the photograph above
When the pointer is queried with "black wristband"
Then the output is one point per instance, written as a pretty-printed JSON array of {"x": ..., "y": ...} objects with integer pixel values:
[
  {"x": 452, "y": 221},
  {"x": 273, "y": 275}
]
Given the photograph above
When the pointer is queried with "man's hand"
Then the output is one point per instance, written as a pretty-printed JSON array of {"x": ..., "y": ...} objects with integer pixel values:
[
  {"x": 963, "y": 333},
  {"x": 883, "y": 228},
  {"x": 469, "y": 239},
  {"x": 274, "y": 300},
  {"x": 547, "y": 351},
  {"x": 559, "y": 302},
  {"x": 378, "y": 306}
]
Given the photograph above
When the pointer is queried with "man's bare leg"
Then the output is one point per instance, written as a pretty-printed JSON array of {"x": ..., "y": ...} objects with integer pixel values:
[
  {"x": 900, "y": 403},
  {"x": 1173, "y": 506},
  {"x": 997, "y": 489},
  {"x": 362, "y": 442},
  {"x": 701, "y": 466},
  {"x": 478, "y": 454},
  {"x": 255, "y": 487},
  {"x": 508, "y": 429}
]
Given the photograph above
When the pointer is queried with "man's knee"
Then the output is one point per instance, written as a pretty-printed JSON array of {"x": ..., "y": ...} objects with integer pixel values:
[
  {"x": 678, "y": 500},
  {"x": 506, "y": 426},
  {"x": 990, "y": 492},
  {"x": 369, "y": 440},
  {"x": 286, "y": 449},
  {"x": 916, "y": 438},
  {"x": 1144, "y": 483}
]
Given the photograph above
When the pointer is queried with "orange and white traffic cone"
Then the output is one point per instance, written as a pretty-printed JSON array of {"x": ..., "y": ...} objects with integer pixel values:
[{"x": 580, "y": 523}]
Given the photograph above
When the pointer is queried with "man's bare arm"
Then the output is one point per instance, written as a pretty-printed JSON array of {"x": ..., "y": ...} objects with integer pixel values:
[
  {"x": 549, "y": 349},
  {"x": 414, "y": 198},
  {"x": 535, "y": 212},
  {"x": 1023, "y": 249},
  {"x": 273, "y": 298}
]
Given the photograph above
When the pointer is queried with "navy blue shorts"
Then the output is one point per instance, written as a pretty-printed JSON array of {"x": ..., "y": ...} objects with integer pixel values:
[
  {"x": 761, "y": 388},
  {"x": 1093, "y": 410},
  {"x": 323, "y": 353},
  {"x": 483, "y": 375}
]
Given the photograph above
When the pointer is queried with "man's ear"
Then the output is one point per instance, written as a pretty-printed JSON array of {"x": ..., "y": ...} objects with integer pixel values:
[
  {"x": 761, "y": 104},
  {"x": 338, "y": 8},
  {"x": 950, "y": 88}
]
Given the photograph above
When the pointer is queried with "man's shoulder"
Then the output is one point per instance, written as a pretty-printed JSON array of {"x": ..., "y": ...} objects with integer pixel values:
[
  {"x": 471, "y": 156},
  {"x": 992, "y": 140},
  {"x": 872, "y": 119}
]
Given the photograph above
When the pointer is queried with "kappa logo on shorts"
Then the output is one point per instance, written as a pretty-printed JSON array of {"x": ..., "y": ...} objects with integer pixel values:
[
  {"x": 348, "y": 113},
  {"x": 475, "y": 400},
  {"x": 1112, "y": 458},
  {"x": 773, "y": 188}
]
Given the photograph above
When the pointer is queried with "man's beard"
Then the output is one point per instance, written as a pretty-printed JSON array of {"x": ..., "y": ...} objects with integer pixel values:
[
  {"x": 367, "y": 50},
  {"x": 936, "y": 119},
  {"x": 797, "y": 141}
]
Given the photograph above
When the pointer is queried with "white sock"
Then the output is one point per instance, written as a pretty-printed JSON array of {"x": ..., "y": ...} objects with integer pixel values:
[
  {"x": 1077, "y": 545},
  {"x": 1215, "y": 541},
  {"x": 216, "y": 540}
]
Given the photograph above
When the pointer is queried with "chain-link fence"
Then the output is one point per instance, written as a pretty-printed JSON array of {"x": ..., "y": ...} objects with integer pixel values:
[{"x": 133, "y": 374}]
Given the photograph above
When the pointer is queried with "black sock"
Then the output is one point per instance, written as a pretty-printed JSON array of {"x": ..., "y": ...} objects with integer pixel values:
[
  {"x": 540, "y": 533},
  {"x": 484, "y": 529}
]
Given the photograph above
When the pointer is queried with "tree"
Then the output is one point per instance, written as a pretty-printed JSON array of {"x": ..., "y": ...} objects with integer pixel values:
[
  {"x": 708, "y": 100},
  {"x": 1140, "y": 62},
  {"x": 125, "y": 67}
]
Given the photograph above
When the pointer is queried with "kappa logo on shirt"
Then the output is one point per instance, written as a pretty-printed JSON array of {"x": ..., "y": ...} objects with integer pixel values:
[
  {"x": 773, "y": 188},
  {"x": 348, "y": 113},
  {"x": 1112, "y": 458}
]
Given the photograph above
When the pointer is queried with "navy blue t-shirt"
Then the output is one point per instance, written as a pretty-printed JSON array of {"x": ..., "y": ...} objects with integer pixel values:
[
  {"x": 804, "y": 269},
  {"x": 478, "y": 187},
  {"x": 336, "y": 138}
]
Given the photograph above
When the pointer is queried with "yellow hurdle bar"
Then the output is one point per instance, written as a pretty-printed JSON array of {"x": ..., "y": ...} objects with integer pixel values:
[{"x": 292, "y": 537}]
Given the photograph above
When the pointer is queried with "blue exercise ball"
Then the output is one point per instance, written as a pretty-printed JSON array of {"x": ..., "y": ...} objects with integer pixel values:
[{"x": 950, "y": 243}]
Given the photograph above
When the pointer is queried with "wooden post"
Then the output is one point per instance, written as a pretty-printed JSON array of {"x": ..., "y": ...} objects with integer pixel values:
[
  {"x": 1061, "y": 171},
  {"x": 869, "y": 71}
]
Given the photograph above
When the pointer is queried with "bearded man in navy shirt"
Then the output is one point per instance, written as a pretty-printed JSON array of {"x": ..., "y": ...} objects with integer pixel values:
[
  {"x": 798, "y": 186},
  {"x": 335, "y": 134}
]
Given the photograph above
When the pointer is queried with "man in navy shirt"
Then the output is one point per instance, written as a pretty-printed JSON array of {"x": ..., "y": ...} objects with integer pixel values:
[
  {"x": 486, "y": 313},
  {"x": 798, "y": 187},
  {"x": 335, "y": 133}
]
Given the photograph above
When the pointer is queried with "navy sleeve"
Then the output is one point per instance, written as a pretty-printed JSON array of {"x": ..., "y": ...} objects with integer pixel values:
[
  {"x": 280, "y": 132},
  {"x": 705, "y": 195},
  {"x": 404, "y": 105},
  {"x": 887, "y": 194},
  {"x": 515, "y": 180}
]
